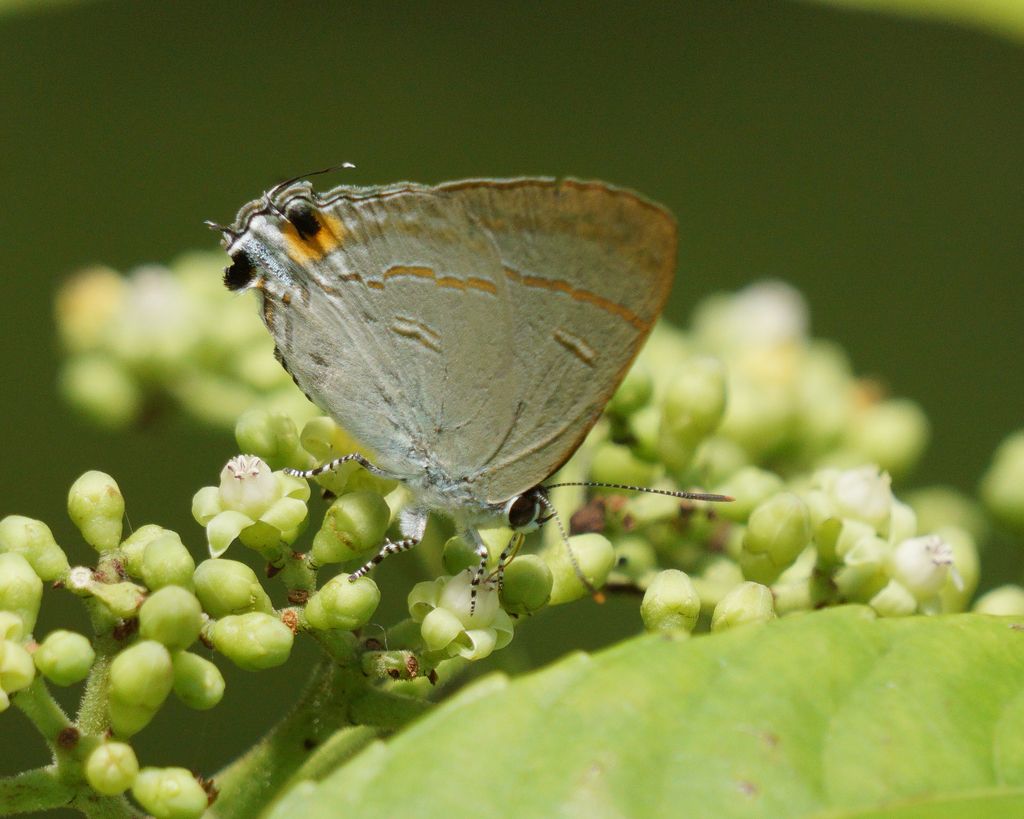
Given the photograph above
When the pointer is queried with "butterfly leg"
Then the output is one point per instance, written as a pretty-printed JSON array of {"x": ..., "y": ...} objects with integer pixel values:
[
  {"x": 333, "y": 465},
  {"x": 506, "y": 556},
  {"x": 480, "y": 550},
  {"x": 414, "y": 525}
]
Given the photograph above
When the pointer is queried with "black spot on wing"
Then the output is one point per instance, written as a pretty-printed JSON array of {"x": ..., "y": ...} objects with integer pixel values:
[
  {"x": 303, "y": 218},
  {"x": 241, "y": 272}
]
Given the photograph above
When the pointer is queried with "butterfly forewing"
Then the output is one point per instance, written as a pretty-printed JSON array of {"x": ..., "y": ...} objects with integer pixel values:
[{"x": 477, "y": 328}]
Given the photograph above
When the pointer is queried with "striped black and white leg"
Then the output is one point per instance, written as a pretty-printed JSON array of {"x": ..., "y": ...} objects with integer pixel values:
[
  {"x": 333, "y": 465},
  {"x": 482, "y": 553},
  {"x": 414, "y": 526},
  {"x": 506, "y": 556}
]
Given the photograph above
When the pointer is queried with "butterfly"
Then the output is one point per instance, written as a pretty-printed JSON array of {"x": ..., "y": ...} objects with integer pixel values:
[{"x": 469, "y": 333}]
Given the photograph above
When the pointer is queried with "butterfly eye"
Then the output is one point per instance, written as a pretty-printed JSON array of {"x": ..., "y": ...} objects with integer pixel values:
[
  {"x": 303, "y": 218},
  {"x": 523, "y": 512},
  {"x": 241, "y": 272}
]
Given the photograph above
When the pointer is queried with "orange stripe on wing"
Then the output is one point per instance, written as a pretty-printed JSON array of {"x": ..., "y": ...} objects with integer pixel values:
[
  {"x": 578, "y": 294},
  {"x": 423, "y": 272}
]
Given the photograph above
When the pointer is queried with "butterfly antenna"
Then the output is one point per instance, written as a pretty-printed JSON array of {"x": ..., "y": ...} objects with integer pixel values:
[
  {"x": 301, "y": 176},
  {"x": 572, "y": 556},
  {"x": 701, "y": 496}
]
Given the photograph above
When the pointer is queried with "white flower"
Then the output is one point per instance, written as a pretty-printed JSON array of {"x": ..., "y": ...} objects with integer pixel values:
[
  {"x": 442, "y": 606},
  {"x": 862, "y": 493},
  {"x": 248, "y": 486},
  {"x": 922, "y": 564},
  {"x": 249, "y": 495},
  {"x": 763, "y": 314}
]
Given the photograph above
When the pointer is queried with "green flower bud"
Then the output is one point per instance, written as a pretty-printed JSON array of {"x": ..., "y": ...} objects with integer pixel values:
[
  {"x": 716, "y": 581},
  {"x": 894, "y": 600},
  {"x": 759, "y": 417},
  {"x": 594, "y": 556},
  {"x": 457, "y": 556},
  {"x": 21, "y": 590},
  {"x": 746, "y": 603},
  {"x": 140, "y": 680},
  {"x": 635, "y": 559},
  {"x": 111, "y": 768},
  {"x": 644, "y": 429},
  {"x": 850, "y": 533},
  {"x": 100, "y": 387},
  {"x": 197, "y": 682},
  {"x": 634, "y": 392},
  {"x": 170, "y": 793},
  {"x": 33, "y": 540},
  {"x": 134, "y": 546},
  {"x": 892, "y": 434},
  {"x": 527, "y": 585},
  {"x": 613, "y": 463},
  {"x": 758, "y": 568},
  {"x": 96, "y": 507},
  {"x": 795, "y": 595},
  {"x": 343, "y": 604},
  {"x": 11, "y": 627},
  {"x": 321, "y": 437},
  {"x": 16, "y": 671},
  {"x": 717, "y": 459},
  {"x": 670, "y": 602},
  {"x": 127, "y": 720},
  {"x": 142, "y": 675},
  {"x": 166, "y": 562},
  {"x": 750, "y": 486},
  {"x": 902, "y": 522},
  {"x": 694, "y": 401},
  {"x": 252, "y": 641},
  {"x": 271, "y": 436},
  {"x": 171, "y": 616},
  {"x": 826, "y": 536},
  {"x": 1005, "y": 600},
  {"x": 865, "y": 571},
  {"x": 779, "y": 529},
  {"x": 1002, "y": 486},
  {"x": 65, "y": 657},
  {"x": 228, "y": 587},
  {"x": 354, "y": 524},
  {"x": 121, "y": 599}
]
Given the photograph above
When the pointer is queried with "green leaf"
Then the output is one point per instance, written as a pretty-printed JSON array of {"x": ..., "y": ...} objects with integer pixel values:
[{"x": 830, "y": 714}]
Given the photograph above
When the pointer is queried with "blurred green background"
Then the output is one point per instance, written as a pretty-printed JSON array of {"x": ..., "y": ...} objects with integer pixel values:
[{"x": 874, "y": 162}]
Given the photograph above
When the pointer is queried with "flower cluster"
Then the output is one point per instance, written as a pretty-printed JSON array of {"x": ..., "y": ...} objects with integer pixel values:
[
  {"x": 745, "y": 404},
  {"x": 158, "y": 331}
]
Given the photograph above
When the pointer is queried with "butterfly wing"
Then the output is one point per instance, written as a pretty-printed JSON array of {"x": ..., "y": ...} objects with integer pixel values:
[
  {"x": 474, "y": 330},
  {"x": 589, "y": 268}
]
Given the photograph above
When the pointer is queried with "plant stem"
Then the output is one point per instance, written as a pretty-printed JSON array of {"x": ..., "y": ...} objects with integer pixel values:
[
  {"x": 92, "y": 709},
  {"x": 255, "y": 779},
  {"x": 40, "y": 707},
  {"x": 38, "y": 789}
]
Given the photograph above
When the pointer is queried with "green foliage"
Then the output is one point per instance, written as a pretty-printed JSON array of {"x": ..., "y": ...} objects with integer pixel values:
[{"x": 834, "y": 713}]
